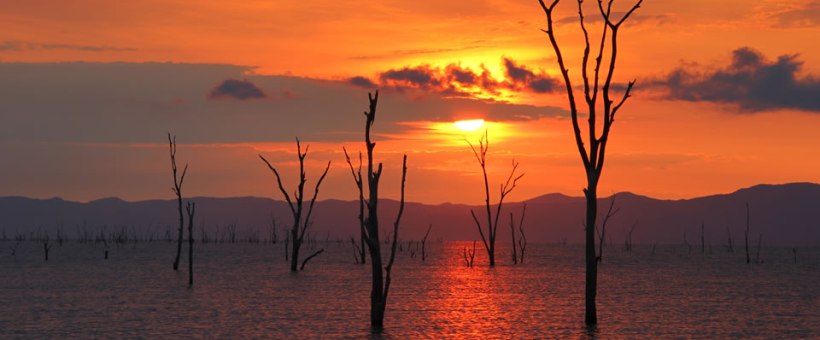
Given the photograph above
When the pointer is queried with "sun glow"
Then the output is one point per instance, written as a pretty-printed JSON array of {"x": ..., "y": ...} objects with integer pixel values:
[{"x": 469, "y": 125}]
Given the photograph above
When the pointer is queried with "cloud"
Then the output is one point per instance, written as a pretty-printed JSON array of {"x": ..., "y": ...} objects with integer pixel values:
[
  {"x": 12, "y": 45},
  {"x": 362, "y": 82},
  {"x": 422, "y": 76},
  {"x": 750, "y": 81},
  {"x": 455, "y": 80},
  {"x": 521, "y": 76},
  {"x": 237, "y": 89}
]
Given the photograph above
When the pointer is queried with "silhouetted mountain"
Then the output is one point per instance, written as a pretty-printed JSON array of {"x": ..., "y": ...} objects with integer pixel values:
[{"x": 787, "y": 214}]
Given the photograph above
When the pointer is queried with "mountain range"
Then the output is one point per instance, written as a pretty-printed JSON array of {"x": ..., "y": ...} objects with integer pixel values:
[{"x": 780, "y": 215}]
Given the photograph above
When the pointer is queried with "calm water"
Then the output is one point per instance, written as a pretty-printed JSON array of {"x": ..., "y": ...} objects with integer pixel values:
[{"x": 246, "y": 290}]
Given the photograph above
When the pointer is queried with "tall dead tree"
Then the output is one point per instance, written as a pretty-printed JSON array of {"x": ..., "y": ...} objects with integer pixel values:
[
  {"x": 593, "y": 158},
  {"x": 424, "y": 243},
  {"x": 172, "y": 145},
  {"x": 301, "y": 219},
  {"x": 506, "y": 188},
  {"x": 518, "y": 254},
  {"x": 190, "y": 208},
  {"x": 381, "y": 275},
  {"x": 361, "y": 256}
]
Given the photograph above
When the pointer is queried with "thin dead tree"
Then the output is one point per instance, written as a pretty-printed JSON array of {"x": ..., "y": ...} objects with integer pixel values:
[
  {"x": 361, "y": 256},
  {"x": 424, "y": 243},
  {"x": 506, "y": 188},
  {"x": 593, "y": 158},
  {"x": 628, "y": 241},
  {"x": 602, "y": 232},
  {"x": 703, "y": 237},
  {"x": 172, "y": 145},
  {"x": 730, "y": 245},
  {"x": 190, "y": 208},
  {"x": 522, "y": 239},
  {"x": 301, "y": 219},
  {"x": 469, "y": 256},
  {"x": 46, "y": 245},
  {"x": 515, "y": 252},
  {"x": 381, "y": 274}
]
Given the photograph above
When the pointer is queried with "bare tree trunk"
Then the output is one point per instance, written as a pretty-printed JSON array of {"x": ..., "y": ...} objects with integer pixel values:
[
  {"x": 702, "y": 238},
  {"x": 191, "y": 209},
  {"x": 172, "y": 144},
  {"x": 593, "y": 158},
  {"x": 591, "y": 314},
  {"x": 424, "y": 243},
  {"x": 506, "y": 188},
  {"x": 380, "y": 285},
  {"x": 301, "y": 221}
]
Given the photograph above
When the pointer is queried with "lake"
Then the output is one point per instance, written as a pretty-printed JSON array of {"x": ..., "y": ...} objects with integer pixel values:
[{"x": 245, "y": 290}]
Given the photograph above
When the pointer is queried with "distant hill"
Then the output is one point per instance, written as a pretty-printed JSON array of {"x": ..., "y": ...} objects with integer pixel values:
[{"x": 787, "y": 214}]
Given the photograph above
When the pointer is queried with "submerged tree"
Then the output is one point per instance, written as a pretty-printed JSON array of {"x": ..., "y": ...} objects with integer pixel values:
[
  {"x": 506, "y": 188},
  {"x": 593, "y": 157},
  {"x": 301, "y": 220},
  {"x": 360, "y": 254},
  {"x": 381, "y": 275},
  {"x": 190, "y": 208},
  {"x": 172, "y": 144}
]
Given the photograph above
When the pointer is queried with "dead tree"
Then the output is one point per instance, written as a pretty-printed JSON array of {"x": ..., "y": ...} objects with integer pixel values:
[
  {"x": 190, "y": 208},
  {"x": 628, "y": 237},
  {"x": 274, "y": 237},
  {"x": 506, "y": 188},
  {"x": 469, "y": 256},
  {"x": 424, "y": 243},
  {"x": 172, "y": 145},
  {"x": 748, "y": 259},
  {"x": 610, "y": 212},
  {"x": 46, "y": 245},
  {"x": 730, "y": 245},
  {"x": 361, "y": 256},
  {"x": 381, "y": 275},
  {"x": 593, "y": 158},
  {"x": 301, "y": 221},
  {"x": 702, "y": 237},
  {"x": 522, "y": 239}
]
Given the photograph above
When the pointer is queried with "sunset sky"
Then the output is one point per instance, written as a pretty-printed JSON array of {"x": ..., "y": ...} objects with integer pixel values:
[{"x": 727, "y": 96}]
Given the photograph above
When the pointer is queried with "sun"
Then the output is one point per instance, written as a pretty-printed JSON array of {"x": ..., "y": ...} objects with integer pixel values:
[{"x": 469, "y": 124}]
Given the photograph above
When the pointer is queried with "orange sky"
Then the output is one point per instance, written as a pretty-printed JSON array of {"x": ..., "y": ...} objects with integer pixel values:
[{"x": 301, "y": 55}]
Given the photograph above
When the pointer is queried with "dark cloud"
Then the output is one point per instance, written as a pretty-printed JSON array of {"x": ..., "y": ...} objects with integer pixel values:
[
  {"x": 458, "y": 81},
  {"x": 237, "y": 89},
  {"x": 29, "y": 46},
  {"x": 422, "y": 76},
  {"x": 522, "y": 77},
  {"x": 751, "y": 81},
  {"x": 362, "y": 82}
]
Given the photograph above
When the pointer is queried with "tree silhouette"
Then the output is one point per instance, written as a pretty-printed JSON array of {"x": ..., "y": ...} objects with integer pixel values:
[
  {"x": 506, "y": 188},
  {"x": 190, "y": 208},
  {"x": 301, "y": 221},
  {"x": 172, "y": 145},
  {"x": 381, "y": 275},
  {"x": 593, "y": 158}
]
